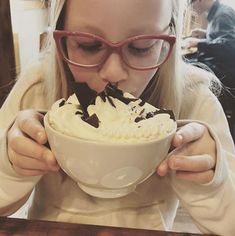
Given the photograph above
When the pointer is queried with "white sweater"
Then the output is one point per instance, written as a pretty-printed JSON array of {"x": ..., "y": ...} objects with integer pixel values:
[{"x": 154, "y": 203}]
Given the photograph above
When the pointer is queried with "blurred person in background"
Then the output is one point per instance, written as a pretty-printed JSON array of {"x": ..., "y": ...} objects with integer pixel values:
[{"x": 216, "y": 48}]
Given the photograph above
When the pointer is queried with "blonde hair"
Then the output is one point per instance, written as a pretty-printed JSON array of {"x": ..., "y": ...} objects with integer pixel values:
[
  {"x": 54, "y": 75},
  {"x": 165, "y": 92}
]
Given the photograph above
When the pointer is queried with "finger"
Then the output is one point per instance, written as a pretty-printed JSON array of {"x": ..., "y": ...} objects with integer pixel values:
[
  {"x": 25, "y": 172},
  {"x": 30, "y": 122},
  {"x": 199, "y": 177},
  {"x": 195, "y": 163},
  {"x": 27, "y": 147},
  {"x": 28, "y": 163},
  {"x": 188, "y": 133},
  {"x": 162, "y": 169}
]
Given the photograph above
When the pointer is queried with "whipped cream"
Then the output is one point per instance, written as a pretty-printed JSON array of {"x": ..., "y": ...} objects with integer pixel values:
[{"x": 111, "y": 120}]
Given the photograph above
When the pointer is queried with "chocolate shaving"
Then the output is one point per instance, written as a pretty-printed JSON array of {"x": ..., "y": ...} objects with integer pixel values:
[
  {"x": 78, "y": 113},
  {"x": 62, "y": 103},
  {"x": 87, "y": 96},
  {"x": 141, "y": 103},
  {"x": 152, "y": 114},
  {"x": 93, "y": 120},
  {"x": 112, "y": 91},
  {"x": 102, "y": 96},
  {"x": 139, "y": 118}
]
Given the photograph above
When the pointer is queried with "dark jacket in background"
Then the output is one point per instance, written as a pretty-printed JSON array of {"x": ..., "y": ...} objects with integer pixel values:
[{"x": 218, "y": 49}]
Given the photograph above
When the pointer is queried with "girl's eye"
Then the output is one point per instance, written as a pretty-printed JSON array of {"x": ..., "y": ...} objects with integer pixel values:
[
  {"x": 141, "y": 50},
  {"x": 90, "y": 47}
]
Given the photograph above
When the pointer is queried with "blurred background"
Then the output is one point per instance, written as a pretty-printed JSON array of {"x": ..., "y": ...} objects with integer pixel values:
[
  {"x": 192, "y": 20},
  {"x": 22, "y": 24}
]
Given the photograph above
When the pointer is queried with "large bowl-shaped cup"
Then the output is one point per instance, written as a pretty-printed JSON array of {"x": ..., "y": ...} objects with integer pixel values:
[{"x": 107, "y": 170}]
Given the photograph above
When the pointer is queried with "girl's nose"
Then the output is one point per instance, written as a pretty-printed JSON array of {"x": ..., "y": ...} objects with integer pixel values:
[{"x": 113, "y": 70}]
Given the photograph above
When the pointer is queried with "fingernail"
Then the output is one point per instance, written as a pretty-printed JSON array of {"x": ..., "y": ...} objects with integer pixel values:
[
  {"x": 161, "y": 170},
  {"x": 160, "y": 173},
  {"x": 40, "y": 136},
  {"x": 180, "y": 137},
  {"x": 49, "y": 158}
]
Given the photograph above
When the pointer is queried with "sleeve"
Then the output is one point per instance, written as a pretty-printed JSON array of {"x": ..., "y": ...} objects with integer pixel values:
[
  {"x": 13, "y": 187},
  {"x": 212, "y": 205},
  {"x": 223, "y": 24}
]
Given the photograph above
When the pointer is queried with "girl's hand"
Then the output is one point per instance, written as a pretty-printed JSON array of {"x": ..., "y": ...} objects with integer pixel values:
[
  {"x": 195, "y": 156},
  {"x": 26, "y": 150}
]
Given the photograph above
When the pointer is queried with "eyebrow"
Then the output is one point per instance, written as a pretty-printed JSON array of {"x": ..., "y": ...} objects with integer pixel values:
[{"x": 85, "y": 27}]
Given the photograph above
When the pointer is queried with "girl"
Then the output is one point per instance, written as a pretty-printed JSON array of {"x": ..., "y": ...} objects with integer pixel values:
[{"x": 130, "y": 44}]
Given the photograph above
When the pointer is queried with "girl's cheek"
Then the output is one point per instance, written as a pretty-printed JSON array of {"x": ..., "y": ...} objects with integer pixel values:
[
  {"x": 89, "y": 76},
  {"x": 78, "y": 74},
  {"x": 140, "y": 82}
]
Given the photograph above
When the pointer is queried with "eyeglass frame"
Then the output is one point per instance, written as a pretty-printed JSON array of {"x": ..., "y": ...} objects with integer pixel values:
[{"x": 112, "y": 47}]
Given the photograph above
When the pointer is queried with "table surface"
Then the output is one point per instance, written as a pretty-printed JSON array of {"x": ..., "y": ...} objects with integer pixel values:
[{"x": 23, "y": 227}]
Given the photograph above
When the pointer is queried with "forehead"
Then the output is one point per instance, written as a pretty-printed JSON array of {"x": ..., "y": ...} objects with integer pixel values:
[{"x": 114, "y": 18}]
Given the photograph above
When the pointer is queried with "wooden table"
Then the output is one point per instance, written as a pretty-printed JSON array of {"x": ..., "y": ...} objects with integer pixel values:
[{"x": 22, "y": 227}]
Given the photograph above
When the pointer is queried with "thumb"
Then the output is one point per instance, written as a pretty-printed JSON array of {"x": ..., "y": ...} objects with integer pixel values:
[
  {"x": 188, "y": 133},
  {"x": 30, "y": 123}
]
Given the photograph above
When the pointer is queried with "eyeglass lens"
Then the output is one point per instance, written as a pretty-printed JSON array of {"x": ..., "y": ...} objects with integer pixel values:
[{"x": 138, "y": 53}]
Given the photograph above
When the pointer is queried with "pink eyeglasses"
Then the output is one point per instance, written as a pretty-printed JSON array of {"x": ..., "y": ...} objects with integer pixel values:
[{"x": 87, "y": 50}]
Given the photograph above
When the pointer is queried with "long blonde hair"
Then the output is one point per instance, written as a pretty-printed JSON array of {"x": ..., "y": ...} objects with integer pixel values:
[{"x": 165, "y": 92}]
